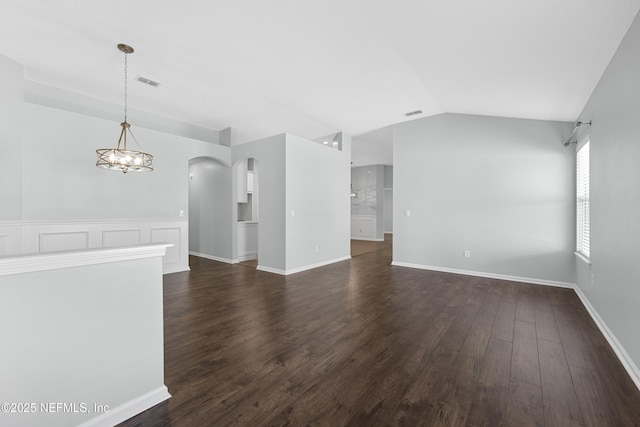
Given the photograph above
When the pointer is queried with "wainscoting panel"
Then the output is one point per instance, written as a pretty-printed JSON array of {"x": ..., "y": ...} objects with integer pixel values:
[
  {"x": 168, "y": 235},
  {"x": 27, "y": 237},
  {"x": 116, "y": 238},
  {"x": 65, "y": 241}
]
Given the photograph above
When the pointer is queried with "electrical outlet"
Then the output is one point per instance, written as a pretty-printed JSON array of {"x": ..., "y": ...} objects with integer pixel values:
[{"x": 467, "y": 253}]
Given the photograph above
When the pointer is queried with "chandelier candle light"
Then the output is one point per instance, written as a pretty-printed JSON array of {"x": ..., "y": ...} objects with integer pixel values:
[{"x": 120, "y": 158}]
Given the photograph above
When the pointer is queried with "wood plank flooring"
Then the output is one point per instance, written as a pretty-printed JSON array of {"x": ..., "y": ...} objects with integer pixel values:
[{"x": 362, "y": 343}]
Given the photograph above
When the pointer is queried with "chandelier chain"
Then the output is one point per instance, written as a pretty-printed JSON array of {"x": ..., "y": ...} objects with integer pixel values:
[{"x": 125, "y": 86}]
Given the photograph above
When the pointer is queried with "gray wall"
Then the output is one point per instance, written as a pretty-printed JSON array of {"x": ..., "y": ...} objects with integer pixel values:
[
  {"x": 388, "y": 199},
  {"x": 49, "y": 173},
  {"x": 313, "y": 181},
  {"x": 210, "y": 210},
  {"x": 500, "y": 188},
  {"x": 10, "y": 139},
  {"x": 37, "y": 93},
  {"x": 60, "y": 180},
  {"x": 270, "y": 155},
  {"x": 388, "y": 176},
  {"x": 47, "y": 150},
  {"x": 614, "y": 108},
  {"x": 318, "y": 192}
]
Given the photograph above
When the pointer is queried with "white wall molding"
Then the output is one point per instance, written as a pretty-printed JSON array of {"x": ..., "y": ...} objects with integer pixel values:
[
  {"x": 247, "y": 256},
  {"x": 303, "y": 268},
  {"x": 214, "y": 258},
  {"x": 271, "y": 270},
  {"x": 623, "y": 356},
  {"x": 129, "y": 409},
  {"x": 30, "y": 237},
  {"x": 487, "y": 275},
  {"x": 316, "y": 265},
  {"x": 17, "y": 264}
]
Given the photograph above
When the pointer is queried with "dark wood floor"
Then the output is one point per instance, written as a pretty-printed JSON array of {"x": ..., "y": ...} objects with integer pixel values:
[{"x": 362, "y": 343}]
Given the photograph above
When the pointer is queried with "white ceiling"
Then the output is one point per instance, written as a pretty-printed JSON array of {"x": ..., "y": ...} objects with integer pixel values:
[{"x": 316, "y": 67}]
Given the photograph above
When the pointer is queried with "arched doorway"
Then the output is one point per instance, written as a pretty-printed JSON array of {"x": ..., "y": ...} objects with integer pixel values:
[{"x": 210, "y": 209}]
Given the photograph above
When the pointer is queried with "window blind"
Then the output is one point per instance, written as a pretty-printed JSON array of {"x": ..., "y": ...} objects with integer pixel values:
[{"x": 582, "y": 202}]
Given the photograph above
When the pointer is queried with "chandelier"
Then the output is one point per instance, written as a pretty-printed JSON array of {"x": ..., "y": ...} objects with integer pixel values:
[{"x": 120, "y": 158}]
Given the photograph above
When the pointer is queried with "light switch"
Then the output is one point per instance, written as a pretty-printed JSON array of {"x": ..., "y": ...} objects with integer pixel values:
[
  {"x": 293, "y": 213},
  {"x": 407, "y": 213}
]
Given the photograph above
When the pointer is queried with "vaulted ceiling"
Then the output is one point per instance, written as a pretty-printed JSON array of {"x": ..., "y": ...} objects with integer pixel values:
[{"x": 312, "y": 68}]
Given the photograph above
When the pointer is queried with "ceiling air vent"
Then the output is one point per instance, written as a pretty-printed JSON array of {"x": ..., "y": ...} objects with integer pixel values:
[
  {"x": 413, "y": 113},
  {"x": 148, "y": 81}
]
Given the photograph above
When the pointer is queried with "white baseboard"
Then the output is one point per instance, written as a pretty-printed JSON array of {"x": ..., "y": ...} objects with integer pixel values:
[
  {"x": 271, "y": 270},
  {"x": 213, "y": 258},
  {"x": 316, "y": 265},
  {"x": 303, "y": 268},
  {"x": 619, "y": 350},
  {"x": 247, "y": 257},
  {"x": 176, "y": 269},
  {"x": 368, "y": 239},
  {"x": 129, "y": 409},
  {"x": 487, "y": 275}
]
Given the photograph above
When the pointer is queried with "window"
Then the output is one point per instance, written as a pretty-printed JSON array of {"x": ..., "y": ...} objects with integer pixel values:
[{"x": 582, "y": 196}]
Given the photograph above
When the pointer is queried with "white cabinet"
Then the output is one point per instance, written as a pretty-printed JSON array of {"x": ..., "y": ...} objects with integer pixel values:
[
  {"x": 241, "y": 174},
  {"x": 250, "y": 178},
  {"x": 247, "y": 240},
  {"x": 363, "y": 227}
]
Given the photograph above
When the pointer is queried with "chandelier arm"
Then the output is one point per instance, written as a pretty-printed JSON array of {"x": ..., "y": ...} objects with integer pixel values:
[
  {"x": 125, "y": 126},
  {"x": 136, "y": 140},
  {"x": 123, "y": 135}
]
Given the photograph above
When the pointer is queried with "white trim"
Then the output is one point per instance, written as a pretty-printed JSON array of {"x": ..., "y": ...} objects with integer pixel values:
[
  {"x": 271, "y": 270},
  {"x": 175, "y": 269},
  {"x": 619, "y": 350},
  {"x": 316, "y": 265},
  {"x": 214, "y": 258},
  {"x": 488, "y": 275},
  {"x": 16, "y": 264},
  {"x": 89, "y": 221},
  {"x": 28, "y": 237},
  {"x": 303, "y": 268},
  {"x": 248, "y": 256},
  {"x": 367, "y": 239},
  {"x": 129, "y": 409},
  {"x": 582, "y": 258}
]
